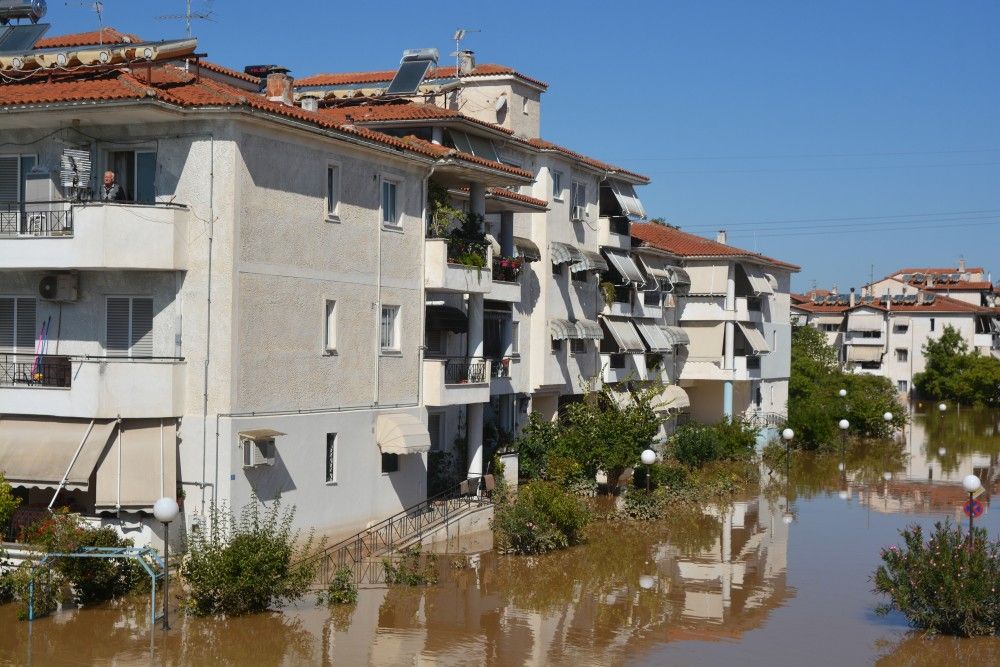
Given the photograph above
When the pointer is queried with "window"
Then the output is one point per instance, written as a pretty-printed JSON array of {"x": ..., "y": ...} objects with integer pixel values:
[
  {"x": 331, "y": 326},
  {"x": 616, "y": 361},
  {"x": 579, "y": 276},
  {"x": 900, "y": 328},
  {"x": 556, "y": 345},
  {"x": 435, "y": 428},
  {"x": 871, "y": 365},
  {"x": 17, "y": 325},
  {"x": 434, "y": 341},
  {"x": 557, "y": 270},
  {"x": 514, "y": 331},
  {"x": 871, "y": 334},
  {"x": 135, "y": 173},
  {"x": 390, "y": 333},
  {"x": 830, "y": 328},
  {"x": 578, "y": 200},
  {"x": 390, "y": 463},
  {"x": 557, "y": 188},
  {"x": 902, "y": 355},
  {"x": 331, "y": 458},
  {"x": 651, "y": 299},
  {"x": 902, "y": 386},
  {"x": 332, "y": 192},
  {"x": 577, "y": 345},
  {"x": 129, "y": 326},
  {"x": 13, "y": 173},
  {"x": 932, "y": 324},
  {"x": 390, "y": 213}
]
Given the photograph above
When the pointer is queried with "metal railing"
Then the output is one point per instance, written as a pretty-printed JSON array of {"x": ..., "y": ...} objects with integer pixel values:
[
  {"x": 43, "y": 370},
  {"x": 500, "y": 367},
  {"x": 36, "y": 219},
  {"x": 464, "y": 370},
  {"x": 21, "y": 519},
  {"x": 360, "y": 552},
  {"x": 765, "y": 419}
]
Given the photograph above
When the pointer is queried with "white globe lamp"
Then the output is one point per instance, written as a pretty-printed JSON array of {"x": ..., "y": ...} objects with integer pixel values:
[
  {"x": 971, "y": 483},
  {"x": 165, "y": 510}
]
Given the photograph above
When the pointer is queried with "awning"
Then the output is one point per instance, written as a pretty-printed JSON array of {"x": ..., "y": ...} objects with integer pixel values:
[
  {"x": 772, "y": 281},
  {"x": 624, "y": 334},
  {"x": 653, "y": 272},
  {"x": 562, "y": 329},
  {"x": 589, "y": 330},
  {"x": 754, "y": 338},
  {"x": 401, "y": 434},
  {"x": 861, "y": 353},
  {"x": 563, "y": 253},
  {"x": 758, "y": 280},
  {"x": 35, "y": 452},
  {"x": 827, "y": 319},
  {"x": 582, "y": 329},
  {"x": 140, "y": 465},
  {"x": 675, "y": 335},
  {"x": 897, "y": 320},
  {"x": 625, "y": 194},
  {"x": 679, "y": 276},
  {"x": 709, "y": 279},
  {"x": 447, "y": 318},
  {"x": 656, "y": 340},
  {"x": 864, "y": 322},
  {"x": 703, "y": 370},
  {"x": 625, "y": 265},
  {"x": 673, "y": 398},
  {"x": 259, "y": 434},
  {"x": 527, "y": 249},
  {"x": 996, "y": 324},
  {"x": 589, "y": 261}
]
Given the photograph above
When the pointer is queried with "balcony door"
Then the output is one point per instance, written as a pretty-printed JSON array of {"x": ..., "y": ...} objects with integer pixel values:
[
  {"x": 14, "y": 171},
  {"x": 135, "y": 171}
]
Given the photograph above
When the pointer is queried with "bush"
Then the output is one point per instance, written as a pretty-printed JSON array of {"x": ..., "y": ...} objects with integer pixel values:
[
  {"x": 642, "y": 505},
  {"x": 342, "y": 589},
  {"x": 48, "y": 586},
  {"x": 247, "y": 565},
  {"x": 942, "y": 586},
  {"x": 8, "y": 503},
  {"x": 661, "y": 474},
  {"x": 694, "y": 445},
  {"x": 544, "y": 517},
  {"x": 410, "y": 569}
]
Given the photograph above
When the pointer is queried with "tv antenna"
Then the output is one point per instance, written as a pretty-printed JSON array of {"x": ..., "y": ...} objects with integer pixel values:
[
  {"x": 190, "y": 15},
  {"x": 459, "y": 36},
  {"x": 98, "y": 8}
]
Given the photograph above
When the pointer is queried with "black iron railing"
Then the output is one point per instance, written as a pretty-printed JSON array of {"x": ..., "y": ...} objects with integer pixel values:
[
  {"x": 44, "y": 370},
  {"x": 500, "y": 367},
  {"x": 21, "y": 519},
  {"x": 36, "y": 219},
  {"x": 464, "y": 370},
  {"x": 361, "y": 553},
  {"x": 765, "y": 419}
]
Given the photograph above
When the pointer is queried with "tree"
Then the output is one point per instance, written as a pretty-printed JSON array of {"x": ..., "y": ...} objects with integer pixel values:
[{"x": 955, "y": 373}]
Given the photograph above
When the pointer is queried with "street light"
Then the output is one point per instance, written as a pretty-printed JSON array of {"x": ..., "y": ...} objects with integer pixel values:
[
  {"x": 165, "y": 510},
  {"x": 646, "y": 581},
  {"x": 971, "y": 484},
  {"x": 843, "y": 393},
  {"x": 843, "y": 424},
  {"x": 648, "y": 457},
  {"x": 942, "y": 451},
  {"x": 887, "y": 475}
]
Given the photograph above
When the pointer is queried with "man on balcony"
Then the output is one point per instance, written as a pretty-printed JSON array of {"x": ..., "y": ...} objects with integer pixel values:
[{"x": 112, "y": 191}]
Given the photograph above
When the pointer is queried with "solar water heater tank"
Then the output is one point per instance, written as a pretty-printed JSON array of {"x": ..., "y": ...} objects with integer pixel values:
[{"x": 10, "y": 10}]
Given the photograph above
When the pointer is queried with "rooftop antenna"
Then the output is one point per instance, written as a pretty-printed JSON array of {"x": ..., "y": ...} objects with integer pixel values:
[
  {"x": 190, "y": 15},
  {"x": 459, "y": 36},
  {"x": 98, "y": 8}
]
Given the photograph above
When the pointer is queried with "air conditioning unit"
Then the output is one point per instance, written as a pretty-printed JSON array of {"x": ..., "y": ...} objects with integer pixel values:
[
  {"x": 578, "y": 213},
  {"x": 259, "y": 452},
  {"x": 59, "y": 287}
]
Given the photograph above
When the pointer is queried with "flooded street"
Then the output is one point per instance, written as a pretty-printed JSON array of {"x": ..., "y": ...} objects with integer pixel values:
[{"x": 778, "y": 578}]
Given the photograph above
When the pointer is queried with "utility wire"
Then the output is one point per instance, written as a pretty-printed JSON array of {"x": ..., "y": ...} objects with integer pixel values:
[
  {"x": 866, "y": 230},
  {"x": 861, "y": 217},
  {"x": 858, "y": 225},
  {"x": 805, "y": 169},
  {"x": 802, "y": 156}
]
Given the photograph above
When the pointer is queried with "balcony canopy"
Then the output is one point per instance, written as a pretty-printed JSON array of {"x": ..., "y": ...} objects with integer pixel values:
[
  {"x": 563, "y": 253},
  {"x": 627, "y": 199},
  {"x": 758, "y": 280},
  {"x": 675, "y": 335},
  {"x": 589, "y": 261},
  {"x": 38, "y": 452},
  {"x": 140, "y": 466},
  {"x": 754, "y": 338},
  {"x": 401, "y": 434},
  {"x": 656, "y": 340},
  {"x": 673, "y": 398},
  {"x": 864, "y": 322},
  {"x": 625, "y": 265},
  {"x": 527, "y": 249},
  {"x": 567, "y": 329},
  {"x": 623, "y": 333},
  {"x": 864, "y": 353},
  {"x": 447, "y": 318}
]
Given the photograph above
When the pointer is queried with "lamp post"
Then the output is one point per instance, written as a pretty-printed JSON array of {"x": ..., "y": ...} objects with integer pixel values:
[
  {"x": 788, "y": 434},
  {"x": 843, "y": 424},
  {"x": 971, "y": 484},
  {"x": 165, "y": 510},
  {"x": 648, "y": 457}
]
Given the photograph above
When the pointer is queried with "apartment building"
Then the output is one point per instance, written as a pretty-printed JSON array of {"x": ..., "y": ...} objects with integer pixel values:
[{"x": 733, "y": 308}]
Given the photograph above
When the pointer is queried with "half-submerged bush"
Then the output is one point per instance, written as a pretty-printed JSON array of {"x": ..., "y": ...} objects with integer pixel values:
[
  {"x": 248, "y": 564},
  {"x": 694, "y": 444},
  {"x": 941, "y": 585},
  {"x": 410, "y": 568},
  {"x": 342, "y": 589},
  {"x": 543, "y": 517}
]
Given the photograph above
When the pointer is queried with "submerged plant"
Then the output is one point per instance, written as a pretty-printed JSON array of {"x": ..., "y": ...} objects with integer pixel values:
[
  {"x": 411, "y": 569},
  {"x": 342, "y": 589}
]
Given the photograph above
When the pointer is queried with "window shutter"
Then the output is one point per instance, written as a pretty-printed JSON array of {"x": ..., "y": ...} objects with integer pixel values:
[
  {"x": 6, "y": 325},
  {"x": 8, "y": 179},
  {"x": 142, "y": 327},
  {"x": 25, "y": 342},
  {"x": 117, "y": 326}
]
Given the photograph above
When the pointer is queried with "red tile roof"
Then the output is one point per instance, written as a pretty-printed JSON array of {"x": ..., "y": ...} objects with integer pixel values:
[
  {"x": 684, "y": 244},
  {"x": 348, "y": 78},
  {"x": 942, "y": 304},
  {"x": 821, "y": 308},
  {"x": 925, "y": 269},
  {"x": 105, "y": 36},
  {"x": 544, "y": 145},
  {"x": 503, "y": 193},
  {"x": 228, "y": 71},
  {"x": 958, "y": 286},
  {"x": 401, "y": 111}
]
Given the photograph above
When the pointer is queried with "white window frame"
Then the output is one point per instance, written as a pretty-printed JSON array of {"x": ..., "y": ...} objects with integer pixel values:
[
  {"x": 397, "y": 222},
  {"x": 515, "y": 349},
  {"x": 15, "y": 349},
  {"x": 902, "y": 386},
  {"x": 106, "y": 163},
  {"x": 393, "y": 347},
  {"x": 330, "y": 326},
  {"x": 332, "y": 201},
  {"x": 131, "y": 321},
  {"x": 331, "y": 481},
  {"x": 557, "y": 187}
]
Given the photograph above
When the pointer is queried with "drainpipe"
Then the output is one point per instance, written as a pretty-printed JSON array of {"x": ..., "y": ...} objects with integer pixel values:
[
  {"x": 208, "y": 334},
  {"x": 423, "y": 289},
  {"x": 730, "y": 332},
  {"x": 377, "y": 342}
]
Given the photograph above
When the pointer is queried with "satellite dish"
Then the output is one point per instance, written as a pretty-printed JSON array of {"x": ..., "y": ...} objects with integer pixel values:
[{"x": 500, "y": 103}]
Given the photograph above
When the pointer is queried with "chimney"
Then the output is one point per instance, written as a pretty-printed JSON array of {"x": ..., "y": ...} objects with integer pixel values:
[
  {"x": 852, "y": 298},
  {"x": 721, "y": 237},
  {"x": 279, "y": 87},
  {"x": 466, "y": 62},
  {"x": 833, "y": 290},
  {"x": 961, "y": 265},
  {"x": 310, "y": 104}
]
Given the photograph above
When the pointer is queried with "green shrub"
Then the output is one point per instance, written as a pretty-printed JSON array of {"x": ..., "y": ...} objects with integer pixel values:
[
  {"x": 642, "y": 505},
  {"x": 342, "y": 589},
  {"x": 247, "y": 565},
  {"x": 48, "y": 585},
  {"x": 8, "y": 503},
  {"x": 661, "y": 474},
  {"x": 941, "y": 585},
  {"x": 543, "y": 517},
  {"x": 410, "y": 569},
  {"x": 694, "y": 445}
]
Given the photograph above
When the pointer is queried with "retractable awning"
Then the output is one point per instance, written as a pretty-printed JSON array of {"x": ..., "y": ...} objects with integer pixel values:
[
  {"x": 401, "y": 434},
  {"x": 581, "y": 329},
  {"x": 140, "y": 465},
  {"x": 627, "y": 199},
  {"x": 673, "y": 398},
  {"x": 589, "y": 261},
  {"x": 625, "y": 265},
  {"x": 679, "y": 276},
  {"x": 675, "y": 335},
  {"x": 827, "y": 319},
  {"x": 35, "y": 452},
  {"x": 492, "y": 240},
  {"x": 864, "y": 322},
  {"x": 996, "y": 324},
  {"x": 259, "y": 434},
  {"x": 562, "y": 329},
  {"x": 563, "y": 253},
  {"x": 772, "y": 281},
  {"x": 527, "y": 249},
  {"x": 623, "y": 333},
  {"x": 709, "y": 279},
  {"x": 447, "y": 318},
  {"x": 589, "y": 330},
  {"x": 755, "y": 338},
  {"x": 862, "y": 353},
  {"x": 656, "y": 340},
  {"x": 900, "y": 320},
  {"x": 758, "y": 280}
]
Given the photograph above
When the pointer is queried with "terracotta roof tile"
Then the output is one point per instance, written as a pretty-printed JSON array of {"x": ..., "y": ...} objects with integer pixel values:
[
  {"x": 108, "y": 86},
  {"x": 384, "y": 76},
  {"x": 544, "y": 145},
  {"x": 503, "y": 193},
  {"x": 105, "y": 36},
  {"x": 684, "y": 244},
  {"x": 400, "y": 111},
  {"x": 228, "y": 71},
  {"x": 925, "y": 269}
]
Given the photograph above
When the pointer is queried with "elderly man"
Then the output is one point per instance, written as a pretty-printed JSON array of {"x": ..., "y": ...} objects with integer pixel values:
[{"x": 111, "y": 191}]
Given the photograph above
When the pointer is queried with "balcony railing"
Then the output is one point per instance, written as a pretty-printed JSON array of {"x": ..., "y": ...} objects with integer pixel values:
[
  {"x": 464, "y": 370},
  {"x": 507, "y": 269},
  {"x": 500, "y": 368},
  {"x": 35, "y": 370},
  {"x": 36, "y": 219}
]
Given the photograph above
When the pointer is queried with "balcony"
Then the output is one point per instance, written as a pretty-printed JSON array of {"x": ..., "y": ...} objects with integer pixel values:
[
  {"x": 622, "y": 367},
  {"x": 858, "y": 338},
  {"x": 507, "y": 376},
  {"x": 506, "y": 279},
  {"x": 647, "y": 304},
  {"x": 443, "y": 275},
  {"x": 615, "y": 233},
  {"x": 621, "y": 304},
  {"x": 90, "y": 387},
  {"x": 456, "y": 381},
  {"x": 61, "y": 235}
]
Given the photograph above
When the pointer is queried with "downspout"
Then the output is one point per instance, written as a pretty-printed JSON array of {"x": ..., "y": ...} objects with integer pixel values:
[
  {"x": 377, "y": 339},
  {"x": 423, "y": 289},
  {"x": 208, "y": 333},
  {"x": 118, "y": 485}
]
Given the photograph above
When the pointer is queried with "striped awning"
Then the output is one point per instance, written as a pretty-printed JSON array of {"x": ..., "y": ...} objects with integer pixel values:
[
  {"x": 589, "y": 329},
  {"x": 625, "y": 265},
  {"x": 401, "y": 434},
  {"x": 860, "y": 322},
  {"x": 675, "y": 335},
  {"x": 582, "y": 329},
  {"x": 673, "y": 398},
  {"x": 527, "y": 249},
  {"x": 754, "y": 338},
  {"x": 679, "y": 276},
  {"x": 589, "y": 261},
  {"x": 758, "y": 280},
  {"x": 42, "y": 452},
  {"x": 623, "y": 333},
  {"x": 656, "y": 340},
  {"x": 563, "y": 253},
  {"x": 863, "y": 353},
  {"x": 827, "y": 319},
  {"x": 562, "y": 329}
]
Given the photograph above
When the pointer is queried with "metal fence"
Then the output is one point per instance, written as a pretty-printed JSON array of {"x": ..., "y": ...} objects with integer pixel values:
[
  {"x": 36, "y": 219},
  {"x": 462, "y": 370},
  {"x": 43, "y": 370}
]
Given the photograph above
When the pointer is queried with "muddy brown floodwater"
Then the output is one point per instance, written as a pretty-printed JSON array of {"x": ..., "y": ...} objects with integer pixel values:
[{"x": 778, "y": 578}]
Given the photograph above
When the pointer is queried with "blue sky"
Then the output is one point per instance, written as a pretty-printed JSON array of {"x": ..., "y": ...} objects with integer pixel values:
[{"x": 835, "y": 136}]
